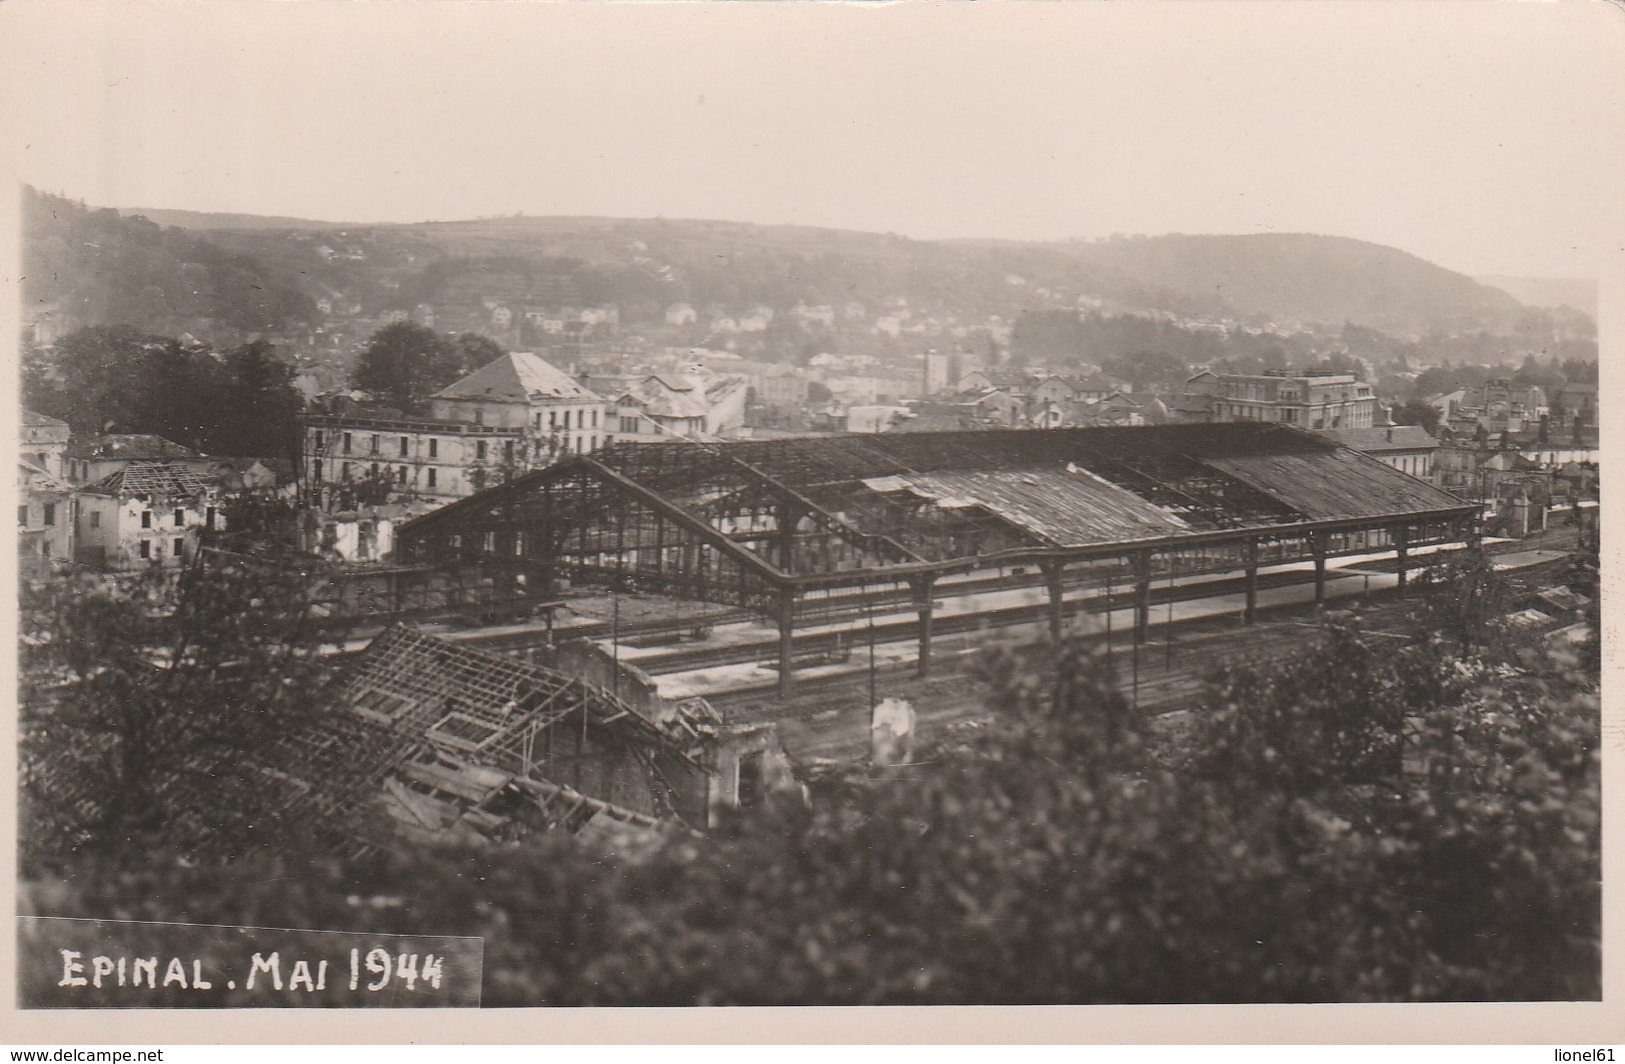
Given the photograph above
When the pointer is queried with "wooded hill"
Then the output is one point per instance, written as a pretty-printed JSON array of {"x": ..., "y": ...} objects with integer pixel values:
[{"x": 241, "y": 272}]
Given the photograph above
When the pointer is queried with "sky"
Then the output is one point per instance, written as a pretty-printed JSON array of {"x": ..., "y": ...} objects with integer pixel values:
[{"x": 1487, "y": 137}]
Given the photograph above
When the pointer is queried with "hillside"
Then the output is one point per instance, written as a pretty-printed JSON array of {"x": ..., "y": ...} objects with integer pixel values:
[
  {"x": 223, "y": 276},
  {"x": 1309, "y": 278},
  {"x": 84, "y": 266},
  {"x": 1548, "y": 291}
]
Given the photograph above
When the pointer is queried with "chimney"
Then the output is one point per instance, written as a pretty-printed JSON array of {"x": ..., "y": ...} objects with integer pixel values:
[{"x": 1390, "y": 435}]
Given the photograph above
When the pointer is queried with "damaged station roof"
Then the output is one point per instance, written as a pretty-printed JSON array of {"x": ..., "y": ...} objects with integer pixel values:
[
  {"x": 428, "y": 739},
  {"x": 798, "y": 514}
]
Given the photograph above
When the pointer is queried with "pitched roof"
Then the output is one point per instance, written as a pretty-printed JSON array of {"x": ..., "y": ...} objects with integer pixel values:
[
  {"x": 36, "y": 479},
  {"x": 1390, "y": 438},
  {"x": 150, "y": 478},
  {"x": 517, "y": 376},
  {"x": 134, "y": 447},
  {"x": 39, "y": 421}
]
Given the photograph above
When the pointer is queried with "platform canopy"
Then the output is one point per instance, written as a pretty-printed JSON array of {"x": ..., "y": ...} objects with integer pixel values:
[{"x": 802, "y": 513}]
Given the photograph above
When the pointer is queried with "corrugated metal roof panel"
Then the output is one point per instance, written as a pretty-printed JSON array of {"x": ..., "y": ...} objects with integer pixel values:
[
  {"x": 1328, "y": 485},
  {"x": 1066, "y": 508}
]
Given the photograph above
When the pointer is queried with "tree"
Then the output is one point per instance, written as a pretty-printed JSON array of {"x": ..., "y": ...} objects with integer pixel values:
[
  {"x": 144, "y": 699},
  {"x": 473, "y": 351},
  {"x": 264, "y": 403},
  {"x": 1345, "y": 824},
  {"x": 406, "y": 363},
  {"x": 1417, "y": 412}
]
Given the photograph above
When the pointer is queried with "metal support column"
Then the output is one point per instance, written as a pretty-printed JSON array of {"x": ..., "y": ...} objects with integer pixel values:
[
  {"x": 924, "y": 588},
  {"x": 1402, "y": 536},
  {"x": 1052, "y": 579},
  {"x": 1317, "y": 544},
  {"x": 1142, "y": 597},
  {"x": 1249, "y": 553},
  {"x": 786, "y": 517},
  {"x": 787, "y": 631}
]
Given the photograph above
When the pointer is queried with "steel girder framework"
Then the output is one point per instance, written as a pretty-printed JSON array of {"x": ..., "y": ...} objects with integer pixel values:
[{"x": 760, "y": 524}]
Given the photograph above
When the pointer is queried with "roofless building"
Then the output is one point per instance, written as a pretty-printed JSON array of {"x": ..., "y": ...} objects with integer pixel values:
[{"x": 795, "y": 528}]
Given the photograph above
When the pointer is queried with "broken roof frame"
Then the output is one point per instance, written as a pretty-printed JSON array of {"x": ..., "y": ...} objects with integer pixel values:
[{"x": 795, "y": 515}]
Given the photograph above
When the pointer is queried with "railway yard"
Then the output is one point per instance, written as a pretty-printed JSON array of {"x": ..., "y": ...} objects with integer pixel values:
[{"x": 729, "y": 655}]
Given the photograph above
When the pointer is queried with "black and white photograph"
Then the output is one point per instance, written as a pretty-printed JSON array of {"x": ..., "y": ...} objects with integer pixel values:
[{"x": 566, "y": 506}]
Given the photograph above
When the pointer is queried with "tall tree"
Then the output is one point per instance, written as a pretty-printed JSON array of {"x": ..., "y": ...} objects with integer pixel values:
[
  {"x": 1417, "y": 412},
  {"x": 143, "y": 700},
  {"x": 473, "y": 351},
  {"x": 264, "y": 403},
  {"x": 406, "y": 363}
]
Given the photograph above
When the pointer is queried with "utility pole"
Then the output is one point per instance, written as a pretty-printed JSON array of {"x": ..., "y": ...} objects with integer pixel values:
[
  {"x": 615, "y": 636},
  {"x": 869, "y": 609}
]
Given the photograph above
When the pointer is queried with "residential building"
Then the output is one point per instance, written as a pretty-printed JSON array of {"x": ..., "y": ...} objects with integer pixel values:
[
  {"x": 1580, "y": 399},
  {"x": 146, "y": 513},
  {"x": 1407, "y": 448},
  {"x": 553, "y": 410},
  {"x": 44, "y": 442},
  {"x": 89, "y": 461},
  {"x": 421, "y": 457},
  {"x": 44, "y": 518},
  {"x": 1499, "y": 405},
  {"x": 697, "y": 404},
  {"x": 1306, "y": 399}
]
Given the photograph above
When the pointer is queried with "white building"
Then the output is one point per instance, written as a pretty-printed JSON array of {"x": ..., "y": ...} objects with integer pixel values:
[
  {"x": 551, "y": 409},
  {"x": 147, "y": 513}
]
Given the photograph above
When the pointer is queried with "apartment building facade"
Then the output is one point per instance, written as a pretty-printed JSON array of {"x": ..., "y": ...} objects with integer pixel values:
[{"x": 1303, "y": 399}]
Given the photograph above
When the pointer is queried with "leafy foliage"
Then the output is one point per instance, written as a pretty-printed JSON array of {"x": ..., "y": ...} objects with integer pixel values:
[
  {"x": 141, "y": 696},
  {"x": 1417, "y": 412},
  {"x": 1425, "y": 832},
  {"x": 406, "y": 363},
  {"x": 119, "y": 379}
]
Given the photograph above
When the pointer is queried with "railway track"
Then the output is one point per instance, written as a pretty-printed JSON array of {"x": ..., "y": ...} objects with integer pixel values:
[{"x": 832, "y": 644}]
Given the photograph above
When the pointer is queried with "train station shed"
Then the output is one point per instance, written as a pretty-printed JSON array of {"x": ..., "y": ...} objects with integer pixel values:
[{"x": 791, "y": 525}]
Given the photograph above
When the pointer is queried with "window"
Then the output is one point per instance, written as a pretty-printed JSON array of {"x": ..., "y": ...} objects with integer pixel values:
[
  {"x": 316, "y": 440},
  {"x": 595, "y": 419},
  {"x": 552, "y": 419},
  {"x": 594, "y": 445},
  {"x": 507, "y": 451},
  {"x": 146, "y": 548},
  {"x": 22, "y": 515},
  {"x": 402, "y": 477},
  {"x": 373, "y": 449},
  {"x": 405, "y": 447},
  {"x": 49, "y": 514},
  {"x": 434, "y": 448},
  {"x": 374, "y": 470},
  {"x": 344, "y": 471},
  {"x": 146, "y": 518},
  {"x": 208, "y": 520},
  {"x": 180, "y": 546},
  {"x": 316, "y": 470},
  {"x": 431, "y": 478},
  {"x": 346, "y": 443},
  {"x": 180, "y": 517},
  {"x": 479, "y": 451},
  {"x": 95, "y": 519}
]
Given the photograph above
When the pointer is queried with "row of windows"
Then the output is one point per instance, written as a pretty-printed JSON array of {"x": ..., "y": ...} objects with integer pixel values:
[
  {"x": 554, "y": 421},
  {"x": 47, "y": 513},
  {"x": 146, "y": 518},
  {"x": 179, "y": 548}
]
